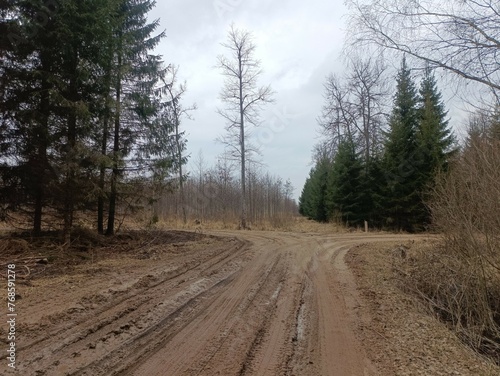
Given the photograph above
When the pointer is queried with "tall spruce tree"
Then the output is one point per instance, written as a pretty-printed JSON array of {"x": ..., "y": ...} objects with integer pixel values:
[
  {"x": 33, "y": 107},
  {"x": 136, "y": 73},
  {"x": 344, "y": 186},
  {"x": 83, "y": 38},
  {"x": 434, "y": 136},
  {"x": 402, "y": 160}
]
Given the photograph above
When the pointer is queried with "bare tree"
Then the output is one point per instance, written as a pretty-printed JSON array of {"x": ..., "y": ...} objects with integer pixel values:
[
  {"x": 465, "y": 208},
  {"x": 337, "y": 116},
  {"x": 243, "y": 99},
  {"x": 355, "y": 106},
  {"x": 199, "y": 194},
  {"x": 459, "y": 36}
]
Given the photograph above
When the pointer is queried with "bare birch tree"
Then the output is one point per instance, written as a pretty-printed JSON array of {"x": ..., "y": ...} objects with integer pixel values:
[
  {"x": 243, "y": 100},
  {"x": 459, "y": 36},
  {"x": 355, "y": 107}
]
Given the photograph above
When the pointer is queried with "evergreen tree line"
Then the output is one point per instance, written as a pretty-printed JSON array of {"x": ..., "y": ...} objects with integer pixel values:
[
  {"x": 214, "y": 194},
  {"x": 86, "y": 120},
  {"x": 382, "y": 175}
]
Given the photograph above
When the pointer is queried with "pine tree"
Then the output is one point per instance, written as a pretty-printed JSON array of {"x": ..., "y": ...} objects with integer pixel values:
[{"x": 401, "y": 159}]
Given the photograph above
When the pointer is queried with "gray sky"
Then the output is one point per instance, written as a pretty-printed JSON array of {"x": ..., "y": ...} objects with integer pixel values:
[{"x": 298, "y": 44}]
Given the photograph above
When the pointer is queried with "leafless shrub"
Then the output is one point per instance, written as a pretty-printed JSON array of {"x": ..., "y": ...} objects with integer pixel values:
[{"x": 461, "y": 280}]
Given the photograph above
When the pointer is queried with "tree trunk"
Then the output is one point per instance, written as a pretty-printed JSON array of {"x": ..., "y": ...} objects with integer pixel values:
[
  {"x": 242, "y": 144},
  {"x": 104, "y": 147},
  {"x": 179, "y": 160},
  {"x": 116, "y": 149},
  {"x": 41, "y": 155},
  {"x": 69, "y": 200},
  {"x": 181, "y": 189}
]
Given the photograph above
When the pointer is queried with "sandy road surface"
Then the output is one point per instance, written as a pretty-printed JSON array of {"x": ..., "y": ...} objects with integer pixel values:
[{"x": 255, "y": 303}]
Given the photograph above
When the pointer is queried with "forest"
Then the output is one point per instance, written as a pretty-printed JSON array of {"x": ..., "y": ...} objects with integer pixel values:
[
  {"x": 389, "y": 155},
  {"x": 368, "y": 170},
  {"x": 91, "y": 124},
  {"x": 387, "y": 146},
  {"x": 92, "y": 133}
]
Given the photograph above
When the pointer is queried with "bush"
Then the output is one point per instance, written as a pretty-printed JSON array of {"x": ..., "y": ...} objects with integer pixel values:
[{"x": 462, "y": 280}]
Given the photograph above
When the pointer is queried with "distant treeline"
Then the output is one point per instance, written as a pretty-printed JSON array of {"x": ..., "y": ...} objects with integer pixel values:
[{"x": 214, "y": 194}]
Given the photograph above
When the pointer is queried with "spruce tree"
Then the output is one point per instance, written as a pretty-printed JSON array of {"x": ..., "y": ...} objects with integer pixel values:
[
  {"x": 435, "y": 138},
  {"x": 313, "y": 201},
  {"x": 136, "y": 72},
  {"x": 305, "y": 197},
  {"x": 73, "y": 87},
  {"x": 372, "y": 188},
  {"x": 344, "y": 186},
  {"x": 401, "y": 158},
  {"x": 31, "y": 82},
  {"x": 319, "y": 189}
]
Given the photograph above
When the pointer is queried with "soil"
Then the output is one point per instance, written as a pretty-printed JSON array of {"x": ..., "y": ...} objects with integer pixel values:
[{"x": 228, "y": 303}]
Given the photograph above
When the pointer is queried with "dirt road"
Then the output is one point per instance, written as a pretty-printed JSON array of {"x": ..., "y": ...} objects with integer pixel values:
[{"x": 253, "y": 303}]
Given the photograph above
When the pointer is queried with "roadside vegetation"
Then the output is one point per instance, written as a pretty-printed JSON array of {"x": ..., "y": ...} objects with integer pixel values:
[
  {"x": 377, "y": 168},
  {"x": 91, "y": 137},
  {"x": 388, "y": 155}
]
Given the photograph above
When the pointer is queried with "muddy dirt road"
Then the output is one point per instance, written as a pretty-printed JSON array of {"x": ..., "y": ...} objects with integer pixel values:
[{"x": 249, "y": 303}]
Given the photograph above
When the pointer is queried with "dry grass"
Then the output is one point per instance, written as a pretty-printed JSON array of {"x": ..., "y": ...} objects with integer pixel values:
[
  {"x": 460, "y": 278},
  {"x": 402, "y": 336},
  {"x": 292, "y": 224},
  {"x": 464, "y": 295}
]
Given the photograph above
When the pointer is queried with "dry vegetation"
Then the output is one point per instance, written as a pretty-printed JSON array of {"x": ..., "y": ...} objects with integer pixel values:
[
  {"x": 283, "y": 223},
  {"x": 401, "y": 332},
  {"x": 461, "y": 279},
  {"x": 458, "y": 278}
]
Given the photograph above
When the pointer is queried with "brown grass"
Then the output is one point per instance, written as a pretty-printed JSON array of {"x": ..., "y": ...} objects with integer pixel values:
[
  {"x": 400, "y": 330},
  {"x": 291, "y": 224},
  {"x": 466, "y": 296},
  {"x": 460, "y": 278}
]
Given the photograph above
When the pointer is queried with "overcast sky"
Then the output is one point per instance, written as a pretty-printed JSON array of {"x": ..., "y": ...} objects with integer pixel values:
[{"x": 298, "y": 44}]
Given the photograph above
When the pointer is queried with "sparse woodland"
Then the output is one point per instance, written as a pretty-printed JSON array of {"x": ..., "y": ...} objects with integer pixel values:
[{"x": 213, "y": 194}]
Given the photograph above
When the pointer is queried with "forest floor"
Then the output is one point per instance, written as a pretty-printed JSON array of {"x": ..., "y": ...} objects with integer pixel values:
[{"x": 225, "y": 303}]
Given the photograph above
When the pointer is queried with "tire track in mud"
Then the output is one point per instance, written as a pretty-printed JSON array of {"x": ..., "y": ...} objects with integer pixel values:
[
  {"x": 272, "y": 304},
  {"x": 119, "y": 317},
  {"x": 144, "y": 348},
  {"x": 218, "y": 342}
]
